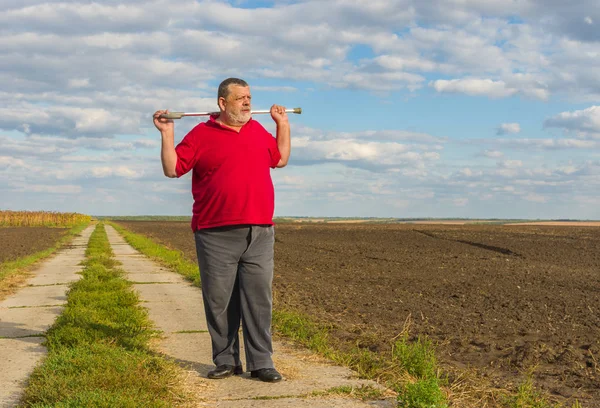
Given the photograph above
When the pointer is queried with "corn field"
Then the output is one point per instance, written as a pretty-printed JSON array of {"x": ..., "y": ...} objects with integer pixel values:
[{"x": 41, "y": 219}]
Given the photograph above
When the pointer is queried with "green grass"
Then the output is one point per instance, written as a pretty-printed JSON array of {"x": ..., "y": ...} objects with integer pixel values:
[
  {"x": 98, "y": 352},
  {"x": 418, "y": 360},
  {"x": 527, "y": 396},
  {"x": 302, "y": 330},
  {"x": 190, "y": 331},
  {"x": 410, "y": 370},
  {"x": 18, "y": 266},
  {"x": 173, "y": 260}
]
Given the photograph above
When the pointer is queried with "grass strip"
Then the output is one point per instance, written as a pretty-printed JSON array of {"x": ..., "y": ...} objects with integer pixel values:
[
  {"x": 8, "y": 269},
  {"x": 172, "y": 259},
  {"x": 98, "y": 352},
  {"x": 410, "y": 369}
]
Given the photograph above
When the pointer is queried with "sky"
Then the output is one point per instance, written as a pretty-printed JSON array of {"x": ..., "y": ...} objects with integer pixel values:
[{"x": 411, "y": 108}]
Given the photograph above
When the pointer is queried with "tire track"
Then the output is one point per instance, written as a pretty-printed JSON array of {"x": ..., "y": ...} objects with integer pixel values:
[{"x": 504, "y": 251}]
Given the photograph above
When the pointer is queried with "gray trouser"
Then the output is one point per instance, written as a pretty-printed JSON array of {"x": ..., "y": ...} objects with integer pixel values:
[{"x": 236, "y": 272}]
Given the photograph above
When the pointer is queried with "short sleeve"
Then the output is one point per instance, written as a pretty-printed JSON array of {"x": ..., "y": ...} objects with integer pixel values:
[
  {"x": 274, "y": 151},
  {"x": 186, "y": 153}
]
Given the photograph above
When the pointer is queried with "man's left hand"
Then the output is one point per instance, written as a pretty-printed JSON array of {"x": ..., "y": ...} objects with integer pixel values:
[{"x": 278, "y": 114}]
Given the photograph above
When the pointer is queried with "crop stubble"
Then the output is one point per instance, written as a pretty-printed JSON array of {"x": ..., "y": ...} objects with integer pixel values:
[{"x": 501, "y": 299}]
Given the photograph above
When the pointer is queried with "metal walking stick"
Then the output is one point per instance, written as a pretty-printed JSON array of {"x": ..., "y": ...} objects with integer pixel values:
[{"x": 179, "y": 115}]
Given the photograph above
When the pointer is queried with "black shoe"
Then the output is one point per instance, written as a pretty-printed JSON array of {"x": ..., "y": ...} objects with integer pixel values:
[
  {"x": 224, "y": 371},
  {"x": 267, "y": 375}
]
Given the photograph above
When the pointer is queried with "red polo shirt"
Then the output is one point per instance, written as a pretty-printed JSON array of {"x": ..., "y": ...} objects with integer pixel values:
[{"x": 231, "y": 178}]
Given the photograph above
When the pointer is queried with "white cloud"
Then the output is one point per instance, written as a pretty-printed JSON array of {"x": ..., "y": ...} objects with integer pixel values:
[
  {"x": 55, "y": 189},
  {"x": 120, "y": 171},
  {"x": 382, "y": 135},
  {"x": 144, "y": 143},
  {"x": 76, "y": 17},
  {"x": 384, "y": 81},
  {"x": 11, "y": 162},
  {"x": 508, "y": 189},
  {"x": 58, "y": 148},
  {"x": 487, "y": 87},
  {"x": 493, "y": 154},
  {"x": 373, "y": 150},
  {"x": 508, "y": 128},
  {"x": 79, "y": 81},
  {"x": 274, "y": 88},
  {"x": 536, "y": 198},
  {"x": 585, "y": 122},
  {"x": 544, "y": 144},
  {"x": 474, "y": 87},
  {"x": 510, "y": 164},
  {"x": 69, "y": 121},
  {"x": 397, "y": 62}
]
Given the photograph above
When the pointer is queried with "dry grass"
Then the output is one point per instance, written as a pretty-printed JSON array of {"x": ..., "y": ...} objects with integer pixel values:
[
  {"x": 469, "y": 389},
  {"x": 12, "y": 283},
  {"x": 41, "y": 218},
  {"x": 289, "y": 371}
]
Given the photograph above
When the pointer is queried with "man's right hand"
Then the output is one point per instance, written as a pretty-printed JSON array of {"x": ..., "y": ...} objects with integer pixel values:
[{"x": 163, "y": 124}]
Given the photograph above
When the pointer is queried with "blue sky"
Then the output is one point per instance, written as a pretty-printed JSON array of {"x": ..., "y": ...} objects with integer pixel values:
[{"x": 411, "y": 108}]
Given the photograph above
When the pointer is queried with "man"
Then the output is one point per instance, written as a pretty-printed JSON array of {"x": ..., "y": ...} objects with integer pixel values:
[{"x": 231, "y": 157}]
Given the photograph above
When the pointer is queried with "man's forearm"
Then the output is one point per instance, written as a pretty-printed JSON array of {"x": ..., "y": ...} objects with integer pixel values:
[
  {"x": 283, "y": 143},
  {"x": 168, "y": 156}
]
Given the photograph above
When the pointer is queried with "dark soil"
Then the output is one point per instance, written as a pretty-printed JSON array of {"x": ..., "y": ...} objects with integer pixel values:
[
  {"x": 19, "y": 242},
  {"x": 500, "y": 299}
]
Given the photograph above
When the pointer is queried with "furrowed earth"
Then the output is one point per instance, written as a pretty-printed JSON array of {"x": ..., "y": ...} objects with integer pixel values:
[
  {"x": 502, "y": 300},
  {"x": 19, "y": 242}
]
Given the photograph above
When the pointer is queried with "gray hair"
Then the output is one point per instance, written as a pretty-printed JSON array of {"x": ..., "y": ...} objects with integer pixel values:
[{"x": 224, "y": 86}]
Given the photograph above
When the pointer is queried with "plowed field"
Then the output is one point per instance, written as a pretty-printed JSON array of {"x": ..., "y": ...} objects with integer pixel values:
[
  {"x": 18, "y": 242},
  {"x": 500, "y": 299}
]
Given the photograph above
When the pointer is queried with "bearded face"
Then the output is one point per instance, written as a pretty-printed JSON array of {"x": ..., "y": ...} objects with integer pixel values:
[{"x": 237, "y": 105}]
